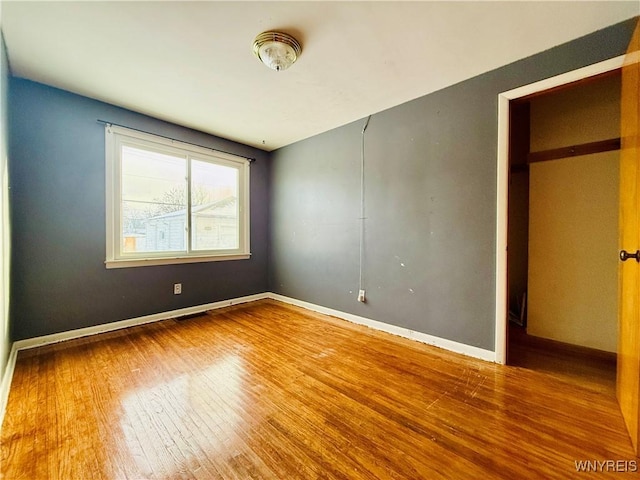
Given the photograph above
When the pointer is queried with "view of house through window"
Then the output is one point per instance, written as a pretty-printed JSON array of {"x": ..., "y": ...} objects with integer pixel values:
[
  {"x": 154, "y": 201},
  {"x": 214, "y": 206},
  {"x": 174, "y": 202}
]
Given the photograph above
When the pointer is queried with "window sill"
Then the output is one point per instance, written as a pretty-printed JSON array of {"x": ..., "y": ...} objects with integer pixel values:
[{"x": 148, "y": 262}]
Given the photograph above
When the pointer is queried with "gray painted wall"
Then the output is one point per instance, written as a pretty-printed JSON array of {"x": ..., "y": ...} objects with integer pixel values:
[
  {"x": 430, "y": 203},
  {"x": 57, "y": 175},
  {"x": 430, "y": 229}
]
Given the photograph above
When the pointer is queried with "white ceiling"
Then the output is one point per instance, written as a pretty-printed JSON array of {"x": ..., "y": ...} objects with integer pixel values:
[{"x": 191, "y": 62}]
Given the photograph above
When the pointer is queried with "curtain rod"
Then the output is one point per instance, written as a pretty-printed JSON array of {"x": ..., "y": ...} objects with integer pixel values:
[{"x": 104, "y": 122}]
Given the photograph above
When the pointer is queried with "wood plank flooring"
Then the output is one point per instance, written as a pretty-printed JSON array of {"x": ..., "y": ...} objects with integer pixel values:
[
  {"x": 269, "y": 391},
  {"x": 588, "y": 368}
]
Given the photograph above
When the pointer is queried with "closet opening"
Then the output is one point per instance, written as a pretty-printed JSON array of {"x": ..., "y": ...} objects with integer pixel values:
[{"x": 562, "y": 231}]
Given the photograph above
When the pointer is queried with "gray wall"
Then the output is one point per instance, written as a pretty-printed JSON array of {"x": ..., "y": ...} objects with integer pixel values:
[
  {"x": 430, "y": 229},
  {"x": 57, "y": 175},
  {"x": 430, "y": 201}
]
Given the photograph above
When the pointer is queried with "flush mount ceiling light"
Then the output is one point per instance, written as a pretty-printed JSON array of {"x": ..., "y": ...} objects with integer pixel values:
[{"x": 276, "y": 50}]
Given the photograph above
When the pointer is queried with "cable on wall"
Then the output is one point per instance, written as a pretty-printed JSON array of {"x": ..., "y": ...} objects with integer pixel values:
[{"x": 361, "y": 294}]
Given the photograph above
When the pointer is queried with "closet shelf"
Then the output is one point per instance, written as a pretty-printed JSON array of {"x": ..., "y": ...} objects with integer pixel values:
[{"x": 574, "y": 150}]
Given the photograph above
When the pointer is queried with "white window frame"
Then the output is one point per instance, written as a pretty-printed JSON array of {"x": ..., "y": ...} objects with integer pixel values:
[{"x": 115, "y": 137}]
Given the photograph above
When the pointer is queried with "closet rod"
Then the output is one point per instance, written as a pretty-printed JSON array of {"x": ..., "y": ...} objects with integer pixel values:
[{"x": 575, "y": 150}]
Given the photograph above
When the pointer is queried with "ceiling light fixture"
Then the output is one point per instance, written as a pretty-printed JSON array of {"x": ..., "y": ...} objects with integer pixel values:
[{"x": 276, "y": 50}]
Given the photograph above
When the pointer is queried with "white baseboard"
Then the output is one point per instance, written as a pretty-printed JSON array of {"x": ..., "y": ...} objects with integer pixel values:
[
  {"x": 385, "y": 327},
  {"x": 450, "y": 345},
  {"x": 5, "y": 386},
  {"x": 109, "y": 327}
]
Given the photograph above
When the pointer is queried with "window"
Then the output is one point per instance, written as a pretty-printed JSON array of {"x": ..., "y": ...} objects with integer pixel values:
[{"x": 171, "y": 202}]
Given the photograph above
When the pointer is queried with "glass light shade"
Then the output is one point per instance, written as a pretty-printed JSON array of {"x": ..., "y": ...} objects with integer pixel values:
[
  {"x": 277, "y": 51},
  {"x": 276, "y": 55}
]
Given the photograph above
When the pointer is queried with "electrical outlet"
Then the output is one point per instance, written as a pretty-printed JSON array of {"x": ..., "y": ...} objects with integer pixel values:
[
  {"x": 361, "y": 297},
  {"x": 177, "y": 288}
]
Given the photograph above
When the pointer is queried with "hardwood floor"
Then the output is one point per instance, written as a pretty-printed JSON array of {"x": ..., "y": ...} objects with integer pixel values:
[
  {"x": 266, "y": 390},
  {"x": 588, "y": 368}
]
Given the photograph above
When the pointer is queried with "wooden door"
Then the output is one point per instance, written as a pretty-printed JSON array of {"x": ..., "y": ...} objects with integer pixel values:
[{"x": 628, "y": 374}]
